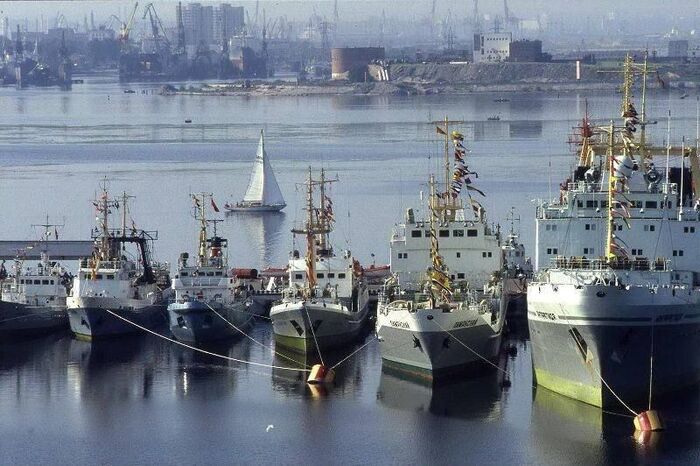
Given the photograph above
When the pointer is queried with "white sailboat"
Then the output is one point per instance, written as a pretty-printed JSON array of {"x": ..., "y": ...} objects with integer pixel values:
[{"x": 263, "y": 193}]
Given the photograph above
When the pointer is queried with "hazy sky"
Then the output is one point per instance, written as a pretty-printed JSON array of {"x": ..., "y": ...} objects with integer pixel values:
[{"x": 666, "y": 11}]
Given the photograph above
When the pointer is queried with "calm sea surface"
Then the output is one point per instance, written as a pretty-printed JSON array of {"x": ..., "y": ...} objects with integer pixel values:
[{"x": 144, "y": 400}]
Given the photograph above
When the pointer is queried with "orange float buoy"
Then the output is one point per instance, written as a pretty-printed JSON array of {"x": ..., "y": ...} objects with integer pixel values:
[
  {"x": 321, "y": 374},
  {"x": 648, "y": 421}
]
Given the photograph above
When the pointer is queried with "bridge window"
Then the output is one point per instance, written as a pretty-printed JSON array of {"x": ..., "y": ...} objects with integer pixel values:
[
  {"x": 472, "y": 233},
  {"x": 649, "y": 227},
  {"x": 591, "y": 204},
  {"x": 331, "y": 275},
  {"x": 650, "y": 204},
  {"x": 637, "y": 252},
  {"x": 459, "y": 254},
  {"x": 688, "y": 229},
  {"x": 589, "y": 250},
  {"x": 416, "y": 234},
  {"x": 210, "y": 274},
  {"x": 591, "y": 226},
  {"x": 444, "y": 233},
  {"x": 110, "y": 277},
  {"x": 460, "y": 276},
  {"x": 551, "y": 228},
  {"x": 341, "y": 275},
  {"x": 458, "y": 233},
  {"x": 579, "y": 203},
  {"x": 552, "y": 251},
  {"x": 298, "y": 276},
  {"x": 677, "y": 253},
  {"x": 97, "y": 277},
  {"x": 184, "y": 274},
  {"x": 218, "y": 274}
]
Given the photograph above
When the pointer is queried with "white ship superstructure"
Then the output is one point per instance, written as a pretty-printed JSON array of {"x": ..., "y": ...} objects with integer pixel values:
[{"x": 619, "y": 280}]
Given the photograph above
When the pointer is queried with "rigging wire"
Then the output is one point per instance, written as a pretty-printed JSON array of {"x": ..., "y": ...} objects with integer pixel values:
[
  {"x": 228, "y": 358},
  {"x": 231, "y": 324}
]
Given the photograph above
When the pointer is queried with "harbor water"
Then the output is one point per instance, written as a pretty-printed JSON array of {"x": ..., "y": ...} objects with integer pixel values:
[{"x": 140, "y": 399}]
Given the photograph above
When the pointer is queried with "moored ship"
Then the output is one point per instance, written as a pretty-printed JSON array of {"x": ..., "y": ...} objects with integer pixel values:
[
  {"x": 114, "y": 280},
  {"x": 326, "y": 303},
  {"x": 615, "y": 314},
  {"x": 446, "y": 320},
  {"x": 33, "y": 298},
  {"x": 208, "y": 305}
]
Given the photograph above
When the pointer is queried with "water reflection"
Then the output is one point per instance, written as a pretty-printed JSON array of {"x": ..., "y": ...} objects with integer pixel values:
[
  {"x": 103, "y": 371},
  {"x": 563, "y": 428},
  {"x": 205, "y": 377},
  {"x": 30, "y": 368},
  {"x": 264, "y": 232},
  {"x": 348, "y": 374},
  {"x": 478, "y": 397}
]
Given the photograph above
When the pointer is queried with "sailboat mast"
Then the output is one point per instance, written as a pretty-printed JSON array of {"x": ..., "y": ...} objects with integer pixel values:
[{"x": 262, "y": 156}]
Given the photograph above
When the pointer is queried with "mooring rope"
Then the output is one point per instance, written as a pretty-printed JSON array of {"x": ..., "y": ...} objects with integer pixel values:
[
  {"x": 597, "y": 372},
  {"x": 313, "y": 334},
  {"x": 354, "y": 352},
  {"x": 253, "y": 339},
  {"x": 470, "y": 349},
  {"x": 252, "y": 363}
]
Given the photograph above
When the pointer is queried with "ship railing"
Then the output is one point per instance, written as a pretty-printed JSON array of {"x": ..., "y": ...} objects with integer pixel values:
[
  {"x": 91, "y": 263},
  {"x": 201, "y": 281},
  {"x": 659, "y": 264},
  {"x": 585, "y": 187}
]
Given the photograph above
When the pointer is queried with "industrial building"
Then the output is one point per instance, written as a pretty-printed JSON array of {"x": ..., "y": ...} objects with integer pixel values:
[
  {"x": 526, "y": 51},
  {"x": 351, "y": 62},
  {"x": 492, "y": 47}
]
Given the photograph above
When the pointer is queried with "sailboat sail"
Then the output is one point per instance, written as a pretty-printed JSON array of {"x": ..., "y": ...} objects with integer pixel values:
[{"x": 263, "y": 188}]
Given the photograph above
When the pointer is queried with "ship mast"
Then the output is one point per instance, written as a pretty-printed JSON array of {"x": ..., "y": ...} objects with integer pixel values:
[
  {"x": 47, "y": 228},
  {"x": 612, "y": 182},
  {"x": 450, "y": 204},
  {"x": 103, "y": 205},
  {"x": 437, "y": 273},
  {"x": 317, "y": 225},
  {"x": 200, "y": 213}
]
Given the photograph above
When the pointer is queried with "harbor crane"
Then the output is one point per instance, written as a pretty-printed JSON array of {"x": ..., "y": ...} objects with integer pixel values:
[
  {"x": 126, "y": 27},
  {"x": 157, "y": 29}
]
